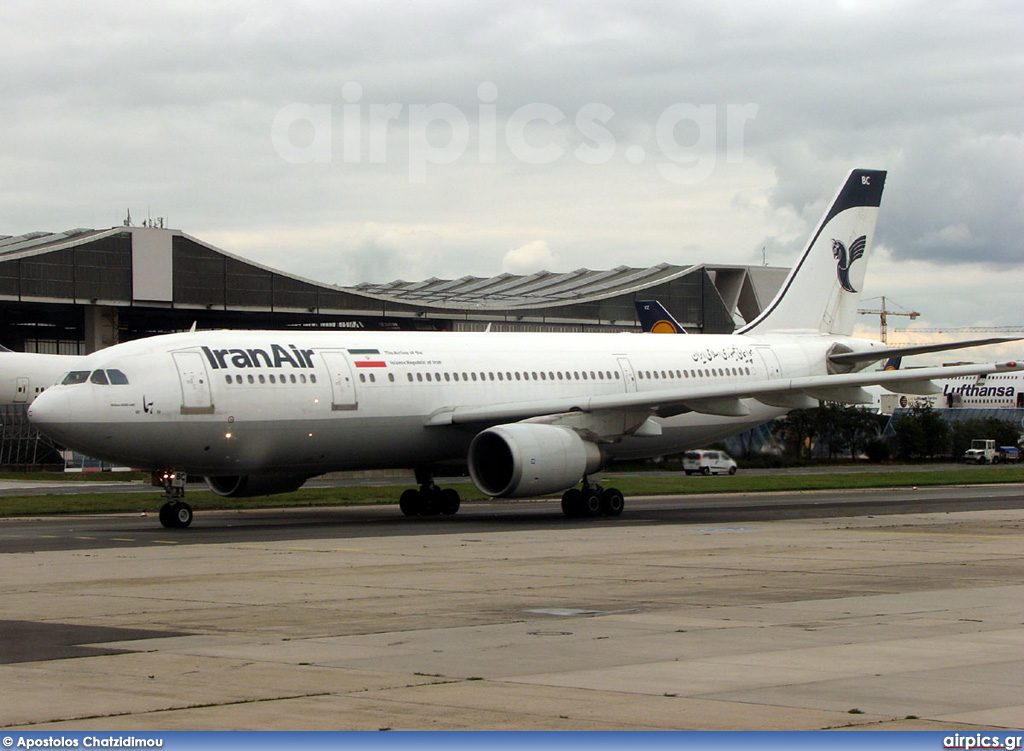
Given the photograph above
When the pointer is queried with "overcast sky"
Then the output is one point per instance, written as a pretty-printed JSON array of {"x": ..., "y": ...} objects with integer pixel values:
[{"x": 371, "y": 141}]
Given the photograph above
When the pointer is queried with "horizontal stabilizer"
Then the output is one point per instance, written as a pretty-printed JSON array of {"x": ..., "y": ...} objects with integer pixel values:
[{"x": 847, "y": 358}]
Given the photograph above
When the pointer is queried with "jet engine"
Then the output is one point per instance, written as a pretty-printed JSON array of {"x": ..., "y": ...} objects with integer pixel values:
[
  {"x": 246, "y": 486},
  {"x": 523, "y": 459}
]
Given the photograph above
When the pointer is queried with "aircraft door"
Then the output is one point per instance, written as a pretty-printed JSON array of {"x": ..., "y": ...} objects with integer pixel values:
[
  {"x": 21, "y": 390},
  {"x": 195, "y": 384},
  {"x": 628, "y": 376},
  {"x": 771, "y": 362},
  {"x": 343, "y": 386}
]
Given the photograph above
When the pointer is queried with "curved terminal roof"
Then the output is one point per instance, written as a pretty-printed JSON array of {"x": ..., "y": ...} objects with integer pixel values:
[
  {"x": 541, "y": 289},
  {"x": 154, "y": 279}
]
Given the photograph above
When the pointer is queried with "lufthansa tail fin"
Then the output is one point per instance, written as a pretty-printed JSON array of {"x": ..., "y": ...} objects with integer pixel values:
[
  {"x": 654, "y": 319},
  {"x": 822, "y": 291}
]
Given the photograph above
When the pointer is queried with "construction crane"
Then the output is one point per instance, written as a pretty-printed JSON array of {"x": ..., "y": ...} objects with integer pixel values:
[
  {"x": 965, "y": 329},
  {"x": 883, "y": 313}
]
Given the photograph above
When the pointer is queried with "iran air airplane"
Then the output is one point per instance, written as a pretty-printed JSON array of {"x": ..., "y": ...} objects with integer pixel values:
[{"x": 260, "y": 412}]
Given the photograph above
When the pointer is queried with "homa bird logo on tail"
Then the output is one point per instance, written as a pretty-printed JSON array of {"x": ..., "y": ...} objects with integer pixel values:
[{"x": 844, "y": 263}]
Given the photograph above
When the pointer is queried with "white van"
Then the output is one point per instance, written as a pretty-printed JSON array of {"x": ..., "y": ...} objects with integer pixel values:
[{"x": 708, "y": 462}]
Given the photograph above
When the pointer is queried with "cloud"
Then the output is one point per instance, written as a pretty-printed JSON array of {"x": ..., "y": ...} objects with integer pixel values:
[
  {"x": 168, "y": 108},
  {"x": 529, "y": 258}
]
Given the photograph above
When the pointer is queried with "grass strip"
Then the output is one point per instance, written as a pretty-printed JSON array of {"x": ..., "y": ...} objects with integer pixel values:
[{"x": 633, "y": 485}]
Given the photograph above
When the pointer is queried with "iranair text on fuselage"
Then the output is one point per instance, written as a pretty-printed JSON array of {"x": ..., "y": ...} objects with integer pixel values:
[{"x": 276, "y": 356}]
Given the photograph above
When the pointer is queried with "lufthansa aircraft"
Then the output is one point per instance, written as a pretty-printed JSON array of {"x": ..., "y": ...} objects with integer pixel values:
[
  {"x": 1004, "y": 391},
  {"x": 259, "y": 412}
]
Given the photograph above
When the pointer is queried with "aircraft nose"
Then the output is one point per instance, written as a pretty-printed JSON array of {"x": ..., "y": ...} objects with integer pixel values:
[{"x": 52, "y": 413}]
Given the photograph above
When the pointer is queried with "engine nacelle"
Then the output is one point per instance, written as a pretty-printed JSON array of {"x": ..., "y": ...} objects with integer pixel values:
[
  {"x": 246, "y": 486},
  {"x": 523, "y": 459}
]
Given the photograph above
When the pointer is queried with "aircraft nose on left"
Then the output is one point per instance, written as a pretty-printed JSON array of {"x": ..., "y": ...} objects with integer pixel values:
[{"x": 54, "y": 412}]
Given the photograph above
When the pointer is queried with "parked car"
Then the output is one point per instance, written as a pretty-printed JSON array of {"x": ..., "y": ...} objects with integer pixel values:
[{"x": 708, "y": 462}]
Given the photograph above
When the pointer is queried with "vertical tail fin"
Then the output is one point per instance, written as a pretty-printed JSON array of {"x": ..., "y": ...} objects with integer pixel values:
[
  {"x": 654, "y": 319},
  {"x": 822, "y": 291}
]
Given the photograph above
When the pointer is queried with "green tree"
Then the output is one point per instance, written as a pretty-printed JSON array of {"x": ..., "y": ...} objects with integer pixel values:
[
  {"x": 921, "y": 433},
  {"x": 861, "y": 427},
  {"x": 831, "y": 419},
  {"x": 846, "y": 427},
  {"x": 838, "y": 428},
  {"x": 1003, "y": 432},
  {"x": 797, "y": 431}
]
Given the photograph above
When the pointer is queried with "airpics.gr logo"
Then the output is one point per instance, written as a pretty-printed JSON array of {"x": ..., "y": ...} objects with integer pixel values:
[{"x": 844, "y": 262}]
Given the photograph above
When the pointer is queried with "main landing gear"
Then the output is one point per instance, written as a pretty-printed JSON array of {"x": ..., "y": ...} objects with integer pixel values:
[
  {"x": 592, "y": 500},
  {"x": 428, "y": 500},
  {"x": 175, "y": 513}
]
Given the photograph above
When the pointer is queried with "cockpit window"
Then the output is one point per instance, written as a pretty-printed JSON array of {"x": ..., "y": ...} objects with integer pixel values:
[{"x": 100, "y": 377}]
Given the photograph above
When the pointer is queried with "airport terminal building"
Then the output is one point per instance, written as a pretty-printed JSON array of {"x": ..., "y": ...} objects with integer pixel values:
[{"x": 77, "y": 291}]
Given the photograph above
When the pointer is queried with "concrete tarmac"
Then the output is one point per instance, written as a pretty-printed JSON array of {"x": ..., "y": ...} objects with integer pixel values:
[{"x": 906, "y": 621}]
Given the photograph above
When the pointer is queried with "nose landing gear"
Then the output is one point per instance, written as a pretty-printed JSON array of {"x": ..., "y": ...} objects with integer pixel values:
[{"x": 175, "y": 513}]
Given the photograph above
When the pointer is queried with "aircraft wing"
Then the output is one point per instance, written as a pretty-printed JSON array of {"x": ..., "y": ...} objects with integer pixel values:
[{"x": 723, "y": 399}]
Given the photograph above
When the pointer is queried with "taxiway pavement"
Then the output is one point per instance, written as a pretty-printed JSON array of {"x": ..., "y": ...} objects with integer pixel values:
[{"x": 896, "y": 621}]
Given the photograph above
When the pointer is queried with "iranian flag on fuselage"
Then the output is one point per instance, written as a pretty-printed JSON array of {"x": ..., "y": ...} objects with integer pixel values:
[{"x": 367, "y": 358}]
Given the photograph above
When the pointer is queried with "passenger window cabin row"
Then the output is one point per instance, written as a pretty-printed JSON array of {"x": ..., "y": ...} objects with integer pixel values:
[
  {"x": 503, "y": 376},
  {"x": 114, "y": 377},
  {"x": 283, "y": 378}
]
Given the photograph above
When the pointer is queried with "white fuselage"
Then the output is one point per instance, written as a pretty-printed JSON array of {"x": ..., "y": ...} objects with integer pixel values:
[
  {"x": 25, "y": 375},
  {"x": 312, "y": 402},
  {"x": 1002, "y": 391}
]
